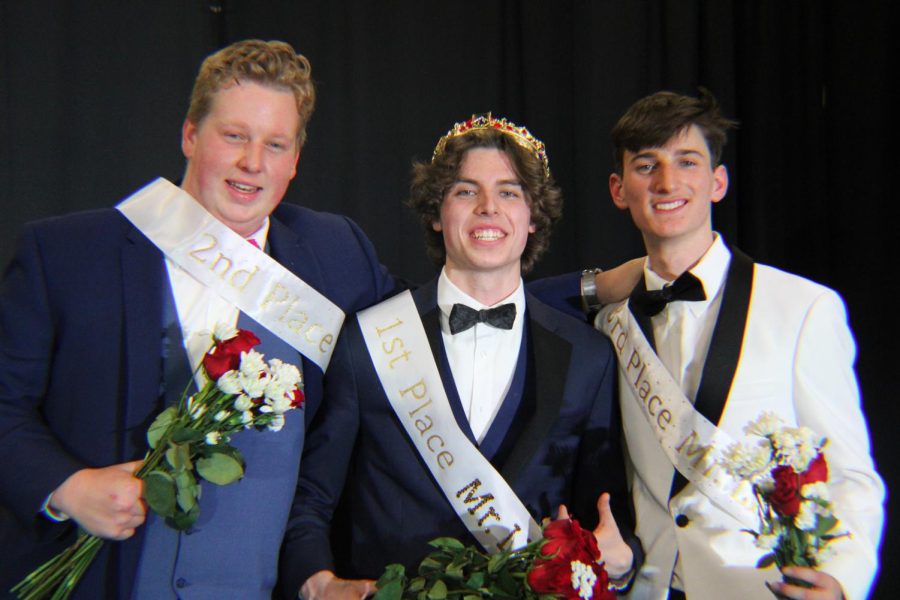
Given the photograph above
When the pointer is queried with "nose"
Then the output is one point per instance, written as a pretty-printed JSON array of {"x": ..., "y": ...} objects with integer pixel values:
[
  {"x": 252, "y": 158},
  {"x": 487, "y": 204},
  {"x": 663, "y": 179}
]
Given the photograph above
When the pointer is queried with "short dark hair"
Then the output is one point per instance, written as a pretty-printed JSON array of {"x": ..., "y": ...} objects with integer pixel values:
[
  {"x": 654, "y": 120},
  {"x": 432, "y": 180}
]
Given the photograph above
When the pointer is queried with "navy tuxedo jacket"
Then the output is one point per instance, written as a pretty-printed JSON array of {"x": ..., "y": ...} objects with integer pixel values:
[
  {"x": 562, "y": 446},
  {"x": 81, "y": 310}
]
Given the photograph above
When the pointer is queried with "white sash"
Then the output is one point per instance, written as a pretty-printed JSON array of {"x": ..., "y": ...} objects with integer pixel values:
[
  {"x": 693, "y": 444},
  {"x": 240, "y": 273},
  {"x": 482, "y": 499}
]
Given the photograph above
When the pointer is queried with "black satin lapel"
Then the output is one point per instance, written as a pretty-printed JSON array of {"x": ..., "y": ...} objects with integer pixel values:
[
  {"x": 643, "y": 320},
  {"x": 295, "y": 255},
  {"x": 725, "y": 346},
  {"x": 551, "y": 356},
  {"x": 727, "y": 338}
]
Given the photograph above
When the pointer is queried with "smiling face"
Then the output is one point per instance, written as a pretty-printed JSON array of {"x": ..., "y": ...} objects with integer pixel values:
[
  {"x": 485, "y": 222},
  {"x": 243, "y": 154},
  {"x": 669, "y": 192}
]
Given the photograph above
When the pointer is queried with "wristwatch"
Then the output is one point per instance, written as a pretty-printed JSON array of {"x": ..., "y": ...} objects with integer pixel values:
[{"x": 589, "y": 300}]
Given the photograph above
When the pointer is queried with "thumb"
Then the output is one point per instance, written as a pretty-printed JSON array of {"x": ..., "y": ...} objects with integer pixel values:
[
  {"x": 607, "y": 520},
  {"x": 563, "y": 512}
]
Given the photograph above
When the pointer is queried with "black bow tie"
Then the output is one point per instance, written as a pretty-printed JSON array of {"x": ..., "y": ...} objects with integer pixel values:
[
  {"x": 463, "y": 317},
  {"x": 687, "y": 287}
]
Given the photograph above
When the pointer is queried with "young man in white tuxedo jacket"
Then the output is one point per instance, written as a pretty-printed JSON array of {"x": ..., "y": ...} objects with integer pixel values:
[{"x": 767, "y": 341}]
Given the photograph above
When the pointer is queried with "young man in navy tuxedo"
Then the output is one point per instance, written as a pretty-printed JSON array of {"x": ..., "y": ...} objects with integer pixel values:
[
  {"x": 527, "y": 393},
  {"x": 100, "y": 328}
]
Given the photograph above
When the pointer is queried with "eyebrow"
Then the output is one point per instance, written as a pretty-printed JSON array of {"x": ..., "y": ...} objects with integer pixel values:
[
  {"x": 514, "y": 182},
  {"x": 649, "y": 154}
]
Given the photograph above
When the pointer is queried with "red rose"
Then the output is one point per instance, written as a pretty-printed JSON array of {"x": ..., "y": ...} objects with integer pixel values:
[
  {"x": 816, "y": 471},
  {"x": 564, "y": 543},
  {"x": 785, "y": 498},
  {"x": 298, "y": 399},
  {"x": 225, "y": 355}
]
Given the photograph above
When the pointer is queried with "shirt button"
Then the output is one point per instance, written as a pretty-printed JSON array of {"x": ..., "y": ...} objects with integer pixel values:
[
  {"x": 181, "y": 582},
  {"x": 682, "y": 520}
]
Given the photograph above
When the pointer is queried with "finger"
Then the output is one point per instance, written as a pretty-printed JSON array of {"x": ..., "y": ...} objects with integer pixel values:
[
  {"x": 563, "y": 512},
  {"x": 131, "y": 467}
]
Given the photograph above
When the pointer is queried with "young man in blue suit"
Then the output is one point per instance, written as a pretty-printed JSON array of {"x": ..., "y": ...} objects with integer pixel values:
[
  {"x": 466, "y": 393},
  {"x": 100, "y": 328}
]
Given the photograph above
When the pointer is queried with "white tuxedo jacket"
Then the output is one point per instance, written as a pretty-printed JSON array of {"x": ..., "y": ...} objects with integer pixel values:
[{"x": 796, "y": 359}]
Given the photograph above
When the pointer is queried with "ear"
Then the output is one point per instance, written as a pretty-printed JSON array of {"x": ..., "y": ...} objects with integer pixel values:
[
  {"x": 188, "y": 138},
  {"x": 436, "y": 225},
  {"x": 720, "y": 183},
  {"x": 296, "y": 160},
  {"x": 531, "y": 228},
  {"x": 616, "y": 191}
]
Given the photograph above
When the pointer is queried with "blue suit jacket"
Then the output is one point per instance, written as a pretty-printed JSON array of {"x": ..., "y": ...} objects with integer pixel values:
[
  {"x": 563, "y": 446},
  {"x": 80, "y": 358}
]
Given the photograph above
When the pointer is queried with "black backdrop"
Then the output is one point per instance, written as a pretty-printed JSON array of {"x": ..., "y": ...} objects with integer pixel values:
[{"x": 92, "y": 96}]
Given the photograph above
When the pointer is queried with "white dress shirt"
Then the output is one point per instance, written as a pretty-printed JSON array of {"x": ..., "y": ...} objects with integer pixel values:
[
  {"x": 483, "y": 358},
  {"x": 200, "y": 308},
  {"x": 683, "y": 330}
]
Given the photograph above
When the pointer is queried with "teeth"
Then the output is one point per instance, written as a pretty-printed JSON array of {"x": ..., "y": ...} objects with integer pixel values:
[
  {"x": 488, "y": 234},
  {"x": 248, "y": 189},
  {"x": 670, "y": 205}
]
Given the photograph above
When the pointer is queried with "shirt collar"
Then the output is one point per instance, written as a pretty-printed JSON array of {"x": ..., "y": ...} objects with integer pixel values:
[
  {"x": 448, "y": 295},
  {"x": 710, "y": 270},
  {"x": 260, "y": 235}
]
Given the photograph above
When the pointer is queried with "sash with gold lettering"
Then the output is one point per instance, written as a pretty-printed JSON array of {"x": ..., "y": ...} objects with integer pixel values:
[
  {"x": 482, "y": 499},
  {"x": 240, "y": 273},
  {"x": 692, "y": 443}
]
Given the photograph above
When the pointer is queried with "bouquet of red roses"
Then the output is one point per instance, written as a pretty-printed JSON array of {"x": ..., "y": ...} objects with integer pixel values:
[
  {"x": 564, "y": 564},
  {"x": 242, "y": 391},
  {"x": 788, "y": 472}
]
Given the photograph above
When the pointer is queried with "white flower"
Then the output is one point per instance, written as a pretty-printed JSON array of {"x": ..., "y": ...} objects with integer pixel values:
[
  {"x": 765, "y": 425},
  {"x": 279, "y": 405},
  {"x": 748, "y": 462},
  {"x": 276, "y": 388},
  {"x": 197, "y": 411},
  {"x": 252, "y": 363},
  {"x": 243, "y": 403},
  {"x": 213, "y": 437},
  {"x": 583, "y": 579},
  {"x": 817, "y": 490},
  {"x": 806, "y": 516},
  {"x": 223, "y": 331},
  {"x": 221, "y": 416},
  {"x": 230, "y": 383},
  {"x": 286, "y": 373},
  {"x": 277, "y": 423},
  {"x": 247, "y": 419},
  {"x": 767, "y": 541}
]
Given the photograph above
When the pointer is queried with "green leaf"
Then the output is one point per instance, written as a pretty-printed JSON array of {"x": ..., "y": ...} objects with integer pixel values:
[
  {"x": 447, "y": 543},
  {"x": 438, "y": 591},
  {"x": 179, "y": 456},
  {"x": 186, "y": 435},
  {"x": 766, "y": 561},
  {"x": 389, "y": 591},
  {"x": 429, "y": 564},
  {"x": 160, "y": 425},
  {"x": 188, "y": 490},
  {"x": 476, "y": 581},
  {"x": 159, "y": 492},
  {"x": 182, "y": 520},
  {"x": 220, "y": 468},
  {"x": 497, "y": 562}
]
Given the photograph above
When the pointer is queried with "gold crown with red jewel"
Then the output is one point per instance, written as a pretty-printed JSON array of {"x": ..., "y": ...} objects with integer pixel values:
[{"x": 519, "y": 134}]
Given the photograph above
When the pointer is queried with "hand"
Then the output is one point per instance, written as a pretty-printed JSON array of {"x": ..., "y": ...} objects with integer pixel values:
[
  {"x": 617, "y": 556},
  {"x": 325, "y": 585},
  {"x": 825, "y": 587},
  {"x": 105, "y": 502},
  {"x": 616, "y": 284}
]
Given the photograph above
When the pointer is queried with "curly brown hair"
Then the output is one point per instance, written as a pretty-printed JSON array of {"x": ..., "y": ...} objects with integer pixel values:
[
  {"x": 274, "y": 64},
  {"x": 432, "y": 180}
]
